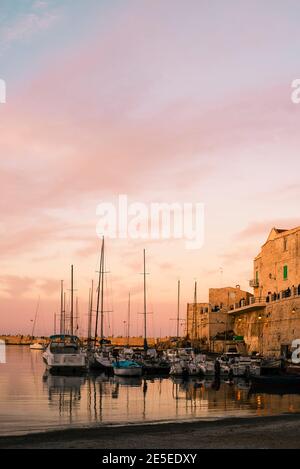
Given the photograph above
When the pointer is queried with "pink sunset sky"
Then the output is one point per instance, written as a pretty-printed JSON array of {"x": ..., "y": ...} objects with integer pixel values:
[{"x": 165, "y": 101}]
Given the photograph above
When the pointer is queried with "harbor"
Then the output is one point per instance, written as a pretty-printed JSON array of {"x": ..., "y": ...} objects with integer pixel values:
[
  {"x": 150, "y": 229},
  {"x": 209, "y": 375},
  {"x": 33, "y": 401}
]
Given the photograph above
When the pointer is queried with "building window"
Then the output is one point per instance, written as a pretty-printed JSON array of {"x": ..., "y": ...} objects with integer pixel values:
[
  {"x": 285, "y": 272},
  {"x": 256, "y": 277},
  {"x": 285, "y": 242}
]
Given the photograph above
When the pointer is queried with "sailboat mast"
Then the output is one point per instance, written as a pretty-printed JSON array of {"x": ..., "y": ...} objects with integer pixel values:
[
  {"x": 178, "y": 308},
  {"x": 102, "y": 296},
  {"x": 61, "y": 306},
  {"x": 145, "y": 305},
  {"x": 64, "y": 314},
  {"x": 195, "y": 322},
  {"x": 90, "y": 312},
  {"x": 72, "y": 302},
  {"x": 77, "y": 316},
  {"x": 98, "y": 293},
  {"x": 35, "y": 317},
  {"x": 128, "y": 321}
]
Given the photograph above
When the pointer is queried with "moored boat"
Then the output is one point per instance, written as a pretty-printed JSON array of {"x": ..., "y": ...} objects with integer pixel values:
[
  {"x": 64, "y": 354},
  {"x": 36, "y": 346},
  {"x": 276, "y": 381},
  {"x": 101, "y": 359},
  {"x": 127, "y": 368}
]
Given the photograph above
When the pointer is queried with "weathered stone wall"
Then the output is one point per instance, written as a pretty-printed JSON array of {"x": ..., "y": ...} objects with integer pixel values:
[
  {"x": 267, "y": 330},
  {"x": 194, "y": 319},
  {"x": 281, "y": 249},
  {"x": 226, "y": 298},
  {"x": 215, "y": 322},
  {"x": 207, "y": 323}
]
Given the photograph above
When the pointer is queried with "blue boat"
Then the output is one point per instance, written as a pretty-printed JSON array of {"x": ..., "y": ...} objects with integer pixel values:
[{"x": 127, "y": 368}]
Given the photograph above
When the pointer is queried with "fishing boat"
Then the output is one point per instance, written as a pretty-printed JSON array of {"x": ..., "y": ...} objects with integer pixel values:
[
  {"x": 127, "y": 368},
  {"x": 64, "y": 354}
]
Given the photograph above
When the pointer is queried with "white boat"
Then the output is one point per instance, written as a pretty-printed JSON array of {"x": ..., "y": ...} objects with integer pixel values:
[
  {"x": 179, "y": 368},
  {"x": 36, "y": 346},
  {"x": 127, "y": 368},
  {"x": 64, "y": 354},
  {"x": 241, "y": 366},
  {"x": 207, "y": 368}
]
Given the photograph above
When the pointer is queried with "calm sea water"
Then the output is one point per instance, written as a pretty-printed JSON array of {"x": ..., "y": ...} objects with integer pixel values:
[{"x": 32, "y": 400}]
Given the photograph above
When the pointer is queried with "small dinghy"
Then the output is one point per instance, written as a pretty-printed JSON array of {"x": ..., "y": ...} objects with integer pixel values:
[{"x": 127, "y": 368}]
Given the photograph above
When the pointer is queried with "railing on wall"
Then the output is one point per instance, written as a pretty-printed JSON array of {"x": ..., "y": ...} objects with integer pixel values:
[{"x": 290, "y": 292}]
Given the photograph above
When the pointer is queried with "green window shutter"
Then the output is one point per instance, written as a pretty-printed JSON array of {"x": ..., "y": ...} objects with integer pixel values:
[{"x": 285, "y": 272}]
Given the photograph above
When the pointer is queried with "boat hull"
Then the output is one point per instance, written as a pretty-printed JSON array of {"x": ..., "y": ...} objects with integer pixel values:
[
  {"x": 96, "y": 364},
  {"x": 130, "y": 372},
  {"x": 276, "y": 382}
]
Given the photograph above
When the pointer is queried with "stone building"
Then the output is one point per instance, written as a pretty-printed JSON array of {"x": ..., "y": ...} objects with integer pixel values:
[
  {"x": 194, "y": 323},
  {"x": 270, "y": 320},
  {"x": 228, "y": 298},
  {"x": 206, "y": 320},
  {"x": 277, "y": 266}
]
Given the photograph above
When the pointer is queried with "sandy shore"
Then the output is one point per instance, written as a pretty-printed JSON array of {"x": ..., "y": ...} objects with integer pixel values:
[{"x": 256, "y": 432}]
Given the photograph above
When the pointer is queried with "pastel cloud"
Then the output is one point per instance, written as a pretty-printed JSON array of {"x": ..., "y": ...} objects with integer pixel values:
[
  {"x": 38, "y": 18},
  {"x": 162, "y": 102}
]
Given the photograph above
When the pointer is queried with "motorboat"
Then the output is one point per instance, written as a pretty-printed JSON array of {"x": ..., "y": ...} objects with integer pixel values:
[
  {"x": 127, "y": 368},
  {"x": 64, "y": 353}
]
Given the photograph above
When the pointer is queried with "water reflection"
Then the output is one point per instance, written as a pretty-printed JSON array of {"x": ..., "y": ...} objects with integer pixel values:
[
  {"x": 32, "y": 399},
  {"x": 64, "y": 392}
]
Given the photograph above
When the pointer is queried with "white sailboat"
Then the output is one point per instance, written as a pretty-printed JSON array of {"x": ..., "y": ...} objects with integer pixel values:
[{"x": 100, "y": 357}]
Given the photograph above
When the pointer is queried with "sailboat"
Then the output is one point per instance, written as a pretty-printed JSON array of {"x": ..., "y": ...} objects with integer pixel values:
[
  {"x": 101, "y": 357},
  {"x": 151, "y": 364},
  {"x": 36, "y": 345}
]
